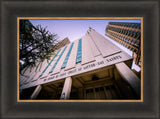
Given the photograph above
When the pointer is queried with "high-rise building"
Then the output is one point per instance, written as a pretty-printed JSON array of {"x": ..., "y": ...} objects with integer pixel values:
[
  {"x": 26, "y": 32},
  {"x": 91, "y": 67},
  {"x": 26, "y": 29},
  {"x": 128, "y": 35},
  {"x": 62, "y": 43}
]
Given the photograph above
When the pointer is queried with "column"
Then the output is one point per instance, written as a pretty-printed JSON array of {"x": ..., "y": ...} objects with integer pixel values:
[
  {"x": 66, "y": 88},
  {"x": 36, "y": 92},
  {"x": 130, "y": 77}
]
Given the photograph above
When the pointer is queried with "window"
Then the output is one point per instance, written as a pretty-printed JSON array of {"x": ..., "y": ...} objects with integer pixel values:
[
  {"x": 67, "y": 56},
  {"x": 58, "y": 60},
  {"x": 79, "y": 51},
  {"x": 139, "y": 25},
  {"x": 130, "y": 33},
  {"x": 132, "y": 42},
  {"x": 129, "y": 47},
  {"x": 139, "y": 37},
  {"x": 135, "y": 50},
  {"x": 134, "y": 25},
  {"x": 129, "y": 41},
  {"x": 50, "y": 62},
  {"x": 137, "y": 34},
  {"x": 126, "y": 40},
  {"x": 125, "y": 31},
  {"x": 133, "y": 34}
]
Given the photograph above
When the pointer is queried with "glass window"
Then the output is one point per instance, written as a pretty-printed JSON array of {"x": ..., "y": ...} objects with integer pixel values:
[
  {"x": 130, "y": 33},
  {"x": 132, "y": 25},
  {"x": 132, "y": 42},
  {"x": 139, "y": 38},
  {"x": 125, "y": 32},
  {"x": 133, "y": 34},
  {"x": 136, "y": 43},
  {"x": 79, "y": 51},
  {"x": 67, "y": 57},
  {"x": 131, "y": 48},
  {"x": 58, "y": 59},
  {"x": 137, "y": 34},
  {"x": 138, "y": 26},
  {"x": 135, "y": 50},
  {"x": 50, "y": 62},
  {"x": 128, "y": 40}
]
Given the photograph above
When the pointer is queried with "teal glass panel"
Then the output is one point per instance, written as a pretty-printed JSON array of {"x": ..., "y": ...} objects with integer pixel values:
[
  {"x": 58, "y": 60},
  {"x": 67, "y": 57},
  {"x": 50, "y": 62},
  {"x": 79, "y": 52}
]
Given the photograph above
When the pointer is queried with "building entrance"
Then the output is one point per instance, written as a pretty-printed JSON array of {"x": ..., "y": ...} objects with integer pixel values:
[{"x": 102, "y": 84}]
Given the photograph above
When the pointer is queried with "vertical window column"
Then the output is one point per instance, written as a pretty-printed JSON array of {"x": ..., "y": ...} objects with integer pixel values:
[
  {"x": 79, "y": 52},
  {"x": 67, "y": 56},
  {"x": 58, "y": 60},
  {"x": 50, "y": 62}
]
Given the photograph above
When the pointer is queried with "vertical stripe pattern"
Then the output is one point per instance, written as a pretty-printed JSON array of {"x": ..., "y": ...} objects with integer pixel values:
[
  {"x": 79, "y": 52},
  {"x": 67, "y": 57},
  {"x": 58, "y": 60},
  {"x": 50, "y": 62}
]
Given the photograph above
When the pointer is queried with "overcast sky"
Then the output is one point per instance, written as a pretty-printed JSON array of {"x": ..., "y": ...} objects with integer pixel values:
[{"x": 74, "y": 29}]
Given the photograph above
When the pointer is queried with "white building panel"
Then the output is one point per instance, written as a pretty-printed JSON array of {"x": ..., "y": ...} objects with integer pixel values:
[
  {"x": 37, "y": 70},
  {"x": 43, "y": 66},
  {"x": 94, "y": 48},
  {"x": 87, "y": 54},
  {"x": 31, "y": 74},
  {"x": 26, "y": 75},
  {"x": 106, "y": 47},
  {"x": 22, "y": 79},
  {"x": 72, "y": 58},
  {"x": 52, "y": 64}
]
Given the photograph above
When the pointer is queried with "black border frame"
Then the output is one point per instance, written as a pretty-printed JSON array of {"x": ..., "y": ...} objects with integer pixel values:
[{"x": 11, "y": 9}]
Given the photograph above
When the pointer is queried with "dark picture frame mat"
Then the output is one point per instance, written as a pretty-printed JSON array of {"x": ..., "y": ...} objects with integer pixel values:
[{"x": 12, "y": 9}]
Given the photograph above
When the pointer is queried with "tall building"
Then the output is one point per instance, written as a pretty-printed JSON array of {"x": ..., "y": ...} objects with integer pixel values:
[
  {"x": 128, "y": 35},
  {"x": 62, "y": 43},
  {"x": 26, "y": 29},
  {"x": 91, "y": 67}
]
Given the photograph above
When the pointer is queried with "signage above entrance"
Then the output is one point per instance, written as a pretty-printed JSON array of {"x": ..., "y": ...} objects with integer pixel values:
[{"x": 99, "y": 63}]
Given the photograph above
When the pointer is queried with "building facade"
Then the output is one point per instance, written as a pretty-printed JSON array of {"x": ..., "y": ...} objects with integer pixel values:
[
  {"x": 89, "y": 68},
  {"x": 128, "y": 35},
  {"x": 62, "y": 43},
  {"x": 26, "y": 29}
]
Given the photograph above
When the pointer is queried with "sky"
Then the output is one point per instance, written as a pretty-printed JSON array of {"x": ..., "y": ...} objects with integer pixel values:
[{"x": 75, "y": 29}]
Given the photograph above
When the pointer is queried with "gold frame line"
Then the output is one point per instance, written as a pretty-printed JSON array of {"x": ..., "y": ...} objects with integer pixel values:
[{"x": 80, "y": 18}]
